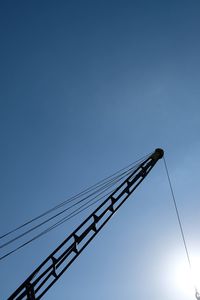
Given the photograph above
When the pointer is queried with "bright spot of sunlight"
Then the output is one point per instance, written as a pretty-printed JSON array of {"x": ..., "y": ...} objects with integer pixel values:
[{"x": 181, "y": 277}]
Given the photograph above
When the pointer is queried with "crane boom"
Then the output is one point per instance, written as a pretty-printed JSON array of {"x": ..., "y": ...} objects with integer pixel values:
[{"x": 51, "y": 269}]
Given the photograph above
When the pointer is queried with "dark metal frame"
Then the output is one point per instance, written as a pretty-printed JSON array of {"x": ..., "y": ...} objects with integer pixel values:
[{"x": 50, "y": 270}]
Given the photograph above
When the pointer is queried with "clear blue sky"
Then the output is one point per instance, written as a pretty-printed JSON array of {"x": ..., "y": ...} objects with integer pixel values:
[{"x": 86, "y": 88}]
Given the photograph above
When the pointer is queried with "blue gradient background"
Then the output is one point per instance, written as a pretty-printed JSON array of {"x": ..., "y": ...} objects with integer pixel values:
[{"x": 86, "y": 88}]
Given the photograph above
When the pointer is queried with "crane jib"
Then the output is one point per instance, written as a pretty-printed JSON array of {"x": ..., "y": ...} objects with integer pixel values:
[{"x": 51, "y": 269}]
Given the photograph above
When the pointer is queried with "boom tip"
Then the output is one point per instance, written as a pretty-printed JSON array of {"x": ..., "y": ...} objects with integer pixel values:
[{"x": 159, "y": 153}]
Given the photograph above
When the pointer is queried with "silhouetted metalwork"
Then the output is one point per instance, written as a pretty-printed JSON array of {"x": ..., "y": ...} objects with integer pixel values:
[
  {"x": 197, "y": 295},
  {"x": 50, "y": 270}
]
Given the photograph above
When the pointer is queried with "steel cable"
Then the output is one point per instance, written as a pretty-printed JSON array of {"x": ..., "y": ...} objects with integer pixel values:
[
  {"x": 106, "y": 187},
  {"x": 73, "y": 198},
  {"x": 180, "y": 225},
  {"x": 95, "y": 191}
]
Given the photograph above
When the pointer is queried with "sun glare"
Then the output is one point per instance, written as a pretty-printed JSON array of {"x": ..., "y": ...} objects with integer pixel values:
[{"x": 184, "y": 279}]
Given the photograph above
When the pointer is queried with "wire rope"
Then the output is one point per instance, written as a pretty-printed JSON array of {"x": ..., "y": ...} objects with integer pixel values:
[
  {"x": 95, "y": 191},
  {"x": 63, "y": 220},
  {"x": 73, "y": 198},
  {"x": 180, "y": 226},
  {"x": 110, "y": 184}
]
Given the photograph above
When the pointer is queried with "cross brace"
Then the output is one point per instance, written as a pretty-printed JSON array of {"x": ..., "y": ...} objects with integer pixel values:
[{"x": 51, "y": 269}]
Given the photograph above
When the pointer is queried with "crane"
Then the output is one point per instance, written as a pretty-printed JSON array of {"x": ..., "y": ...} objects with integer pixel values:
[{"x": 53, "y": 267}]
